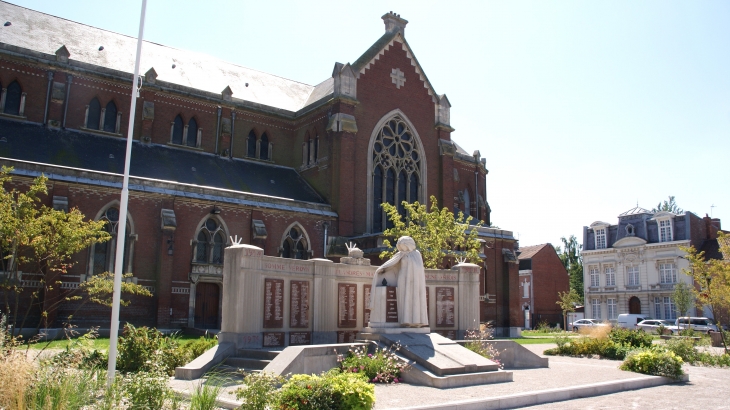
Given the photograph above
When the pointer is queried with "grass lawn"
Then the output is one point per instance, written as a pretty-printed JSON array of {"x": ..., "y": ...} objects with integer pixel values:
[
  {"x": 101, "y": 344},
  {"x": 533, "y": 333},
  {"x": 529, "y": 341}
]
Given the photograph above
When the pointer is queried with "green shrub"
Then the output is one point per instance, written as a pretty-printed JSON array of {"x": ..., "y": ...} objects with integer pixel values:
[
  {"x": 382, "y": 366},
  {"x": 478, "y": 342},
  {"x": 657, "y": 362},
  {"x": 145, "y": 349},
  {"x": 259, "y": 390},
  {"x": 683, "y": 348},
  {"x": 332, "y": 390},
  {"x": 148, "y": 390},
  {"x": 629, "y": 337},
  {"x": 589, "y": 346},
  {"x": 196, "y": 348}
]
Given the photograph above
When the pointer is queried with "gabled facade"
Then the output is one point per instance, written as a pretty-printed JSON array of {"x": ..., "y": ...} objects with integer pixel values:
[
  {"x": 221, "y": 151},
  {"x": 633, "y": 266},
  {"x": 542, "y": 276}
]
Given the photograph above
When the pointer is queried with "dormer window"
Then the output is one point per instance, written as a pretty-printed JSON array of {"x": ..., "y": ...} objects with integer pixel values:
[
  {"x": 664, "y": 223},
  {"x": 630, "y": 230},
  {"x": 600, "y": 238},
  {"x": 665, "y": 230}
]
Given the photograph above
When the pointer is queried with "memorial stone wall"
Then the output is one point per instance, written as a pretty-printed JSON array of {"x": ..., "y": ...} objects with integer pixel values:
[{"x": 276, "y": 302}]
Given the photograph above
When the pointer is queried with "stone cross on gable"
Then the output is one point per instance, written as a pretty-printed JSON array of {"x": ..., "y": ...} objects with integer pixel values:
[{"x": 398, "y": 78}]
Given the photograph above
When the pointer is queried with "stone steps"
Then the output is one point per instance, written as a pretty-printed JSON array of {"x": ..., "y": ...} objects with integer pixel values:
[{"x": 251, "y": 360}]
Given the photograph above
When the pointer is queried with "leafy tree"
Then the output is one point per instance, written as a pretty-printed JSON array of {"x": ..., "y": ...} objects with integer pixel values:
[
  {"x": 438, "y": 234},
  {"x": 712, "y": 277},
  {"x": 567, "y": 302},
  {"x": 669, "y": 206},
  {"x": 683, "y": 298},
  {"x": 573, "y": 261},
  {"x": 40, "y": 242}
]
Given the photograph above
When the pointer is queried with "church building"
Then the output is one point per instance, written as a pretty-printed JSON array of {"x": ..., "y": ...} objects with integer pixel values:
[{"x": 224, "y": 151}]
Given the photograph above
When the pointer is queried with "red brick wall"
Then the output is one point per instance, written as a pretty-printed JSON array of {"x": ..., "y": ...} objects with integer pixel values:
[{"x": 549, "y": 277}]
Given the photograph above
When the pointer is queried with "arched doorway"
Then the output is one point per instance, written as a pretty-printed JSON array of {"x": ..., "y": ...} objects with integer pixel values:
[
  {"x": 634, "y": 305},
  {"x": 207, "y": 297}
]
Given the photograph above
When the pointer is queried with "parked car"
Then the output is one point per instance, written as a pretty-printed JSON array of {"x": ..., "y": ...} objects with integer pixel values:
[
  {"x": 586, "y": 323},
  {"x": 629, "y": 320},
  {"x": 651, "y": 325},
  {"x": 699, "y": 324}
]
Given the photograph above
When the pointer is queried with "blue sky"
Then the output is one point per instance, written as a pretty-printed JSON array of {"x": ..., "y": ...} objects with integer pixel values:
[{"x": 582, "y": 108}]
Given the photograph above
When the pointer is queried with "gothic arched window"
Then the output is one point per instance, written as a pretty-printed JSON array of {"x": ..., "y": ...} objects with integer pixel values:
[
  {"x": 251, "y": 145},
  {"x": 264, "y": 150},
  {"x": 295, "y": 245},
  {"x": 191, "y": 140},
  {"x": 93, "y": 114},
  {"x": 110, "y": 117},
  {"x": 103, "y": 254},
  {"x": 177, "y": 131},
  {"x": 396, "y": 169},
  {"x": 210, "y": 242},
  {"x": 13, "y": 95}
]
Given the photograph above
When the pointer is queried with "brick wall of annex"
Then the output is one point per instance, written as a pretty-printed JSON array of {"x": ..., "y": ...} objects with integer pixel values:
[{"x": 548, "y": 278}]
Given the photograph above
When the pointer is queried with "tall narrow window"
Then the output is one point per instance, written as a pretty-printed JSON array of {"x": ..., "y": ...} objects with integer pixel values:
[
  {"x": 389, "y": 193},
  {"x": 595, "y": 278},
  {"x": 210, "y": 242},
  {"x": 632, "y": 273},
  {"x": 610, "y": 272},
  {"x": 295, "y": 244},
  {"x": 93, "y": 115},
  {"x": 467, "y": 203},
  {"x": 611, "y": 305},
  {"x": 251, "y": 145},
  {"x": 658, "y": 308},
  {"x": 667, "y": 272},
  {"x": 396, "y": 169},
  {"x": 103, "y": 254},
  {"x": 670, "y": 310},
  {"x": 177, "y": 131},
  {"x": 191, "y": 140},
  {"x": 377, "y": 196},
  {"x": 13, "y": 96},
  {"x": 600, "y": 238},
  {"x": 665, "y": 230},
  {"x": 264, "y": 150},
  {"x": 110, "y": 117},
  {"x": 596, "y": 308}
]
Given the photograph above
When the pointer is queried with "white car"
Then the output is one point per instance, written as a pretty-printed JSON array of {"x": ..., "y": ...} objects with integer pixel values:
[
  {"x": 586, "y": 323},
  {"x": 651, "y": 326},
  {"x": 699, "y": 324}
]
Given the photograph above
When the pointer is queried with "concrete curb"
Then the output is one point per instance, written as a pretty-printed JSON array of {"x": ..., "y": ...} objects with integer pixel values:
[{"x": 553, "y": 395}]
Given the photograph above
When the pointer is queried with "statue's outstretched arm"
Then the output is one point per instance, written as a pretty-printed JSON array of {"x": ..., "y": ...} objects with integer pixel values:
[{"x": 392, "y": 261}]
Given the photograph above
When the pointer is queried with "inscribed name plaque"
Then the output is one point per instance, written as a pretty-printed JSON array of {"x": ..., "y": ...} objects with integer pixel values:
[
  {"x": 273, "y": 339},
  {"x": 391, "y": 305},
  {"x": 366, "y": 304},
  {"x": 347, "y": 304},
  {"x": 445, "y": 307},
  {"x": 299, "y": 304},
  {"x": 273, "y": 303},
  {"x": 346, "y": 336},
  {"x": 300, "y": 338}
]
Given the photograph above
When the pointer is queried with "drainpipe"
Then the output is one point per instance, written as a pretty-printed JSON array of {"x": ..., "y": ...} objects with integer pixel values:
[
  {"x": 48, "y": 97},
  {"x": 218, "y": 131},
  {"x": 476, "y": 191},
  {"x": 233, "y": 130},
  {"x": 326, "y": 225},
  {"x": 69, "y": 79}
]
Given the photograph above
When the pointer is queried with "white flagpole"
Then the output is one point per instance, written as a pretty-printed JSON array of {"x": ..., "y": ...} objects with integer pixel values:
[{"x": 122, "y": 225}]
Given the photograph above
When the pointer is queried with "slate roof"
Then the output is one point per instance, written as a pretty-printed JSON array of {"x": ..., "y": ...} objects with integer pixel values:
[
  {"x": 40, "y": 32},
  {"x": 34, "y": 143},
  {"x": 527, "y": 252}
]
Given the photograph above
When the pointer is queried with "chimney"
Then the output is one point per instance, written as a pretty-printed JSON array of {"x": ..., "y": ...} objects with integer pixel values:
[{"x": 393, "y": 23}]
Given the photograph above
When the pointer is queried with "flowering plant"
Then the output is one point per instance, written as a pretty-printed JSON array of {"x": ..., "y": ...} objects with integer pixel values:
[
  {"x": 381, "y": 366},
  {"x": 477, "y": 340}
]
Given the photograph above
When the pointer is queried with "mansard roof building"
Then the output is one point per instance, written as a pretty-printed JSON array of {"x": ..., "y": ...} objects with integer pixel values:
[
  {"x": 222, "y": 150},
  {"x": 634, "y": 265}
]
